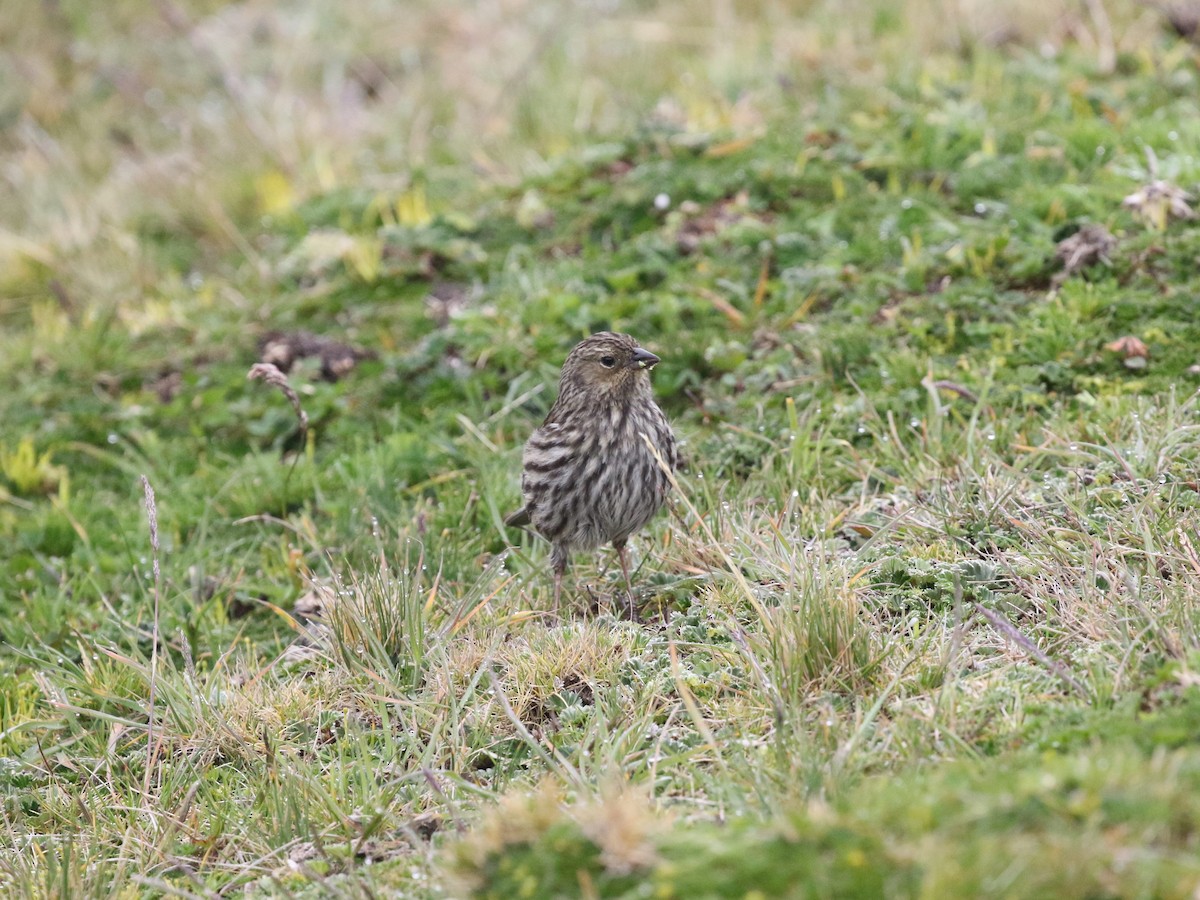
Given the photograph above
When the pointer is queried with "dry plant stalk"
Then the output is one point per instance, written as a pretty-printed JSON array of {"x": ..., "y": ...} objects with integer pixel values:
[
  {"x": 151, "y": 748},
  {"x": 1011, "y": 633},
  {"x": 271, "y": 375}
]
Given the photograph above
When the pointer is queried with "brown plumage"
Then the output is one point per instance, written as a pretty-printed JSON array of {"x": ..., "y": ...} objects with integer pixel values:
[{"x": 589, "y": 478}]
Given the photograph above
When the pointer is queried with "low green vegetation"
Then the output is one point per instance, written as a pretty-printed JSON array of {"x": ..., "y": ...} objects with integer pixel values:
[{"x": 922, "y": 619}]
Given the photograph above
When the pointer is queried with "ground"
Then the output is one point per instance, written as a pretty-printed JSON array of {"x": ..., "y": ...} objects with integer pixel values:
[{"x": 922, "y": 616}]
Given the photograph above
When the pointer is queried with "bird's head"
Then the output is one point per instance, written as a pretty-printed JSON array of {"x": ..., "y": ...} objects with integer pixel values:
[{"x": 608, "y": 365}]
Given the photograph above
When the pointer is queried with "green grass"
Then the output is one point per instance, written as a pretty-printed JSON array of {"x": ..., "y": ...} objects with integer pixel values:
[{"x": 922, "y": 619}]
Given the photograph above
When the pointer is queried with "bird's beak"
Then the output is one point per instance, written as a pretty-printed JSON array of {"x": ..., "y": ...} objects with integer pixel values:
[{"x": 644, "y": 359}]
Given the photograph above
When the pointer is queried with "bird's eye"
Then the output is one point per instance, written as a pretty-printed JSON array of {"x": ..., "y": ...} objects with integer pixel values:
[{"x": 607, "y": 361}]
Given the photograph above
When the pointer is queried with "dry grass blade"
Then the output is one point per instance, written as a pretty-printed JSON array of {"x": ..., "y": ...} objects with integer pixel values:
[
  {"x": 954, "y": 388},
  {"x": 553, "y": 759},
  {"x": 733, "y": 567},
  {"x": 1106, "y": 47},
  {"x": 151, "y": 747},
  {"x": 777, "y": 705},
  {"x": 693, "y": 708},
  {"x": 1010, "y": 631}
]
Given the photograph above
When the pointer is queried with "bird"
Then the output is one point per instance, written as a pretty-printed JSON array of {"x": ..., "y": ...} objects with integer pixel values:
[{"x": 588, "y": 475}]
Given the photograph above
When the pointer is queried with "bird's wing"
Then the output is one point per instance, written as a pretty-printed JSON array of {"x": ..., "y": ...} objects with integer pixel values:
[{"x": 549, "y": 432}]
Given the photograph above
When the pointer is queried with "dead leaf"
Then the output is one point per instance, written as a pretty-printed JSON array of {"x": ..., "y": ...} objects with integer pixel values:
[
  {"x": 448, "y": 299},
  {"x": 283, "y": 348},
  {"x": 1129, "y": 347},
  {"x": 1158, "y": 202},
  {"x": 728, "y": 148},
  {"x": 316, "y": 602},
  {"x": 1091, "y": 244},
  {"x": 697, "y": 223}
]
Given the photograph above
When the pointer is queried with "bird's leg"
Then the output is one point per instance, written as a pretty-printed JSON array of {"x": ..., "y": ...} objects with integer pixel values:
[
  {"x": 623, "y": 556},
  {"x": 559, "y": 557}
]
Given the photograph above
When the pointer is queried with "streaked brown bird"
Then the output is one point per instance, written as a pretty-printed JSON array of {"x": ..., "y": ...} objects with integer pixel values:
[{"x": 589, "y": 478}]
